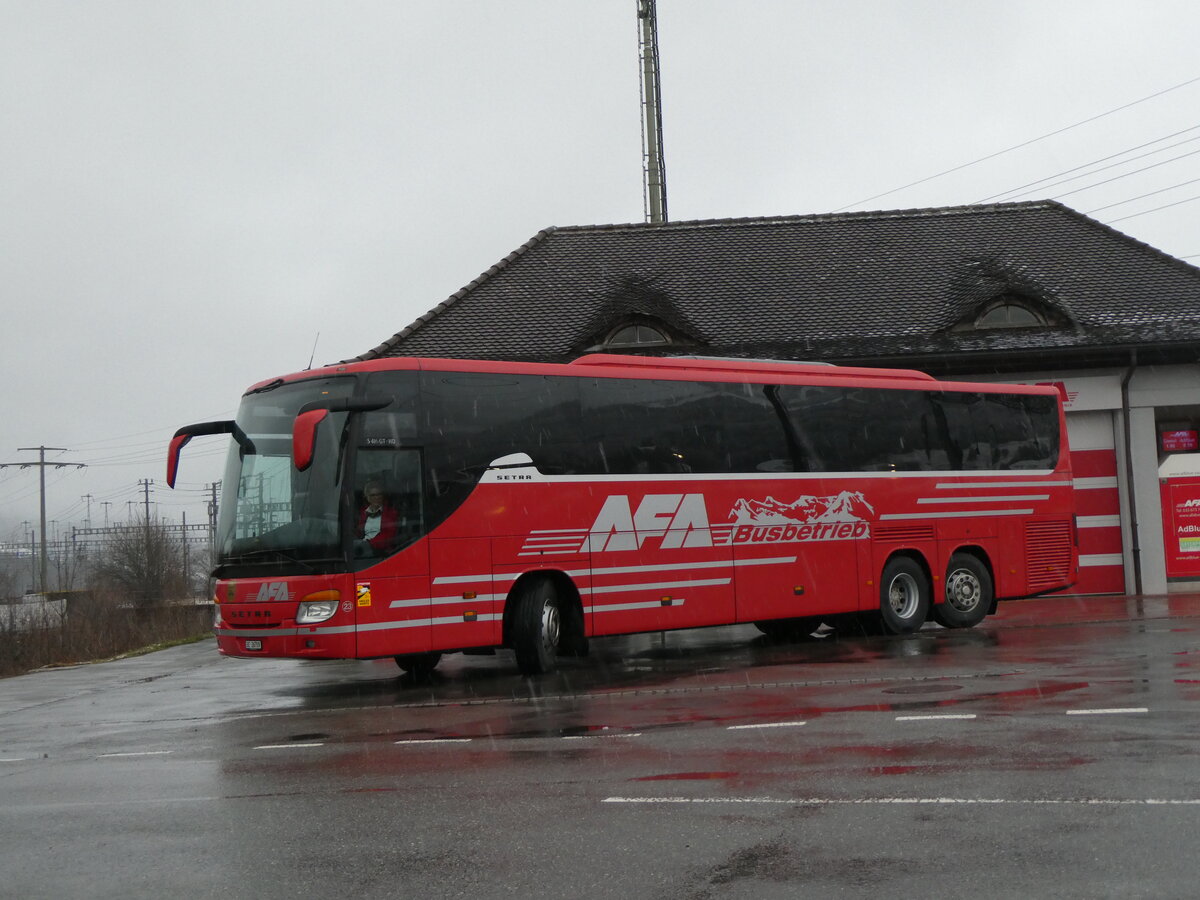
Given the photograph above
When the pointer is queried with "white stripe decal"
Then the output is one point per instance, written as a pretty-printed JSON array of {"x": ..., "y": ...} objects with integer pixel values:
[
  {"x": 1098, "y": 521},
  {"x": 1100, "y": 481},
  {"x": 786, "y": 476},
  {"x": 441, "y": 620},
  {"x": 959, "y": 485},
  {"x": 624, "y": 570},
  {"x": 653, "y": 586},
  {"x": 965, "y": 514},
  {"x": 996, "y": 499},
  {"x": 1100, "y": 559},
  {"x": 624, "y": 607},
  {"x": 439, "y": 601}
]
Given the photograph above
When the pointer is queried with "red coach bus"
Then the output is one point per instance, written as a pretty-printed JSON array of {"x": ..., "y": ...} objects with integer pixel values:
[{"x": 412, "y": 507}]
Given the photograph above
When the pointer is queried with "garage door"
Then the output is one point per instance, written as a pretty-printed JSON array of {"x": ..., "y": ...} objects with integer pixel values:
[{"x": 1094, "y": 463}]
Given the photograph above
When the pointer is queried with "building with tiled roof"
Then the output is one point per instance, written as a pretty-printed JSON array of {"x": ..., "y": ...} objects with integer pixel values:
[
  {"x": 887, "y": 287},
  {"x": 1016, "y": 291}
]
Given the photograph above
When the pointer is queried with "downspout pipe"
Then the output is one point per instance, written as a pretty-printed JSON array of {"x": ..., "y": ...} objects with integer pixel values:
[{"x": 1136, "y": 549}]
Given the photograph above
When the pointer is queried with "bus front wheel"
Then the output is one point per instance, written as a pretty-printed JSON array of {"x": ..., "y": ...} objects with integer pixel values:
[
  {"x": 536, "y": 627},
  {"x": 968, "y": 593},
  {"x": 903, "y": 596}
]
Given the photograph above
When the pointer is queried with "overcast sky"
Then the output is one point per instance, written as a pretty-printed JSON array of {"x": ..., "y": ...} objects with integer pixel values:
[{"x": 192, "y": 192}]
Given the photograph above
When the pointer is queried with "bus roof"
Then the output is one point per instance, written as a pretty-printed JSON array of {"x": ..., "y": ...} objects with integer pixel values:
[
  {"x": 678, "y": 368},
  {"x": 738, "y": 364}
]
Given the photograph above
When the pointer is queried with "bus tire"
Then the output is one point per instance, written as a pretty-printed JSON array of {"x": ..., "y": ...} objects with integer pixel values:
[
  {"x": 903, "y": 596},
  {"x": 536, "y": 626},
  {"x": 419, "y": 665},
  {"x": 788, "y": 629},
  {"x": 968, "y": 597}
]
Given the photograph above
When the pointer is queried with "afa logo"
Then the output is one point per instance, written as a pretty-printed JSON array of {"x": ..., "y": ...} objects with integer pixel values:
[
  {"x": 682, "y": 521},
  {"x": 272, "y": 590}
]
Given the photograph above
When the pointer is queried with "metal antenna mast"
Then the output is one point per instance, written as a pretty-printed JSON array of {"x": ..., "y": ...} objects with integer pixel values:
[{"x": 654, "y": 170}]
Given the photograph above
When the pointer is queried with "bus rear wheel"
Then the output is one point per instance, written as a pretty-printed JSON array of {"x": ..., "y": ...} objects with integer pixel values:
[
  {"x": 419, "y": 665},
  {"x": 968, "y": 593},
  {"x": 536, "y": 626},
  {"x": 903, "y": 596}
]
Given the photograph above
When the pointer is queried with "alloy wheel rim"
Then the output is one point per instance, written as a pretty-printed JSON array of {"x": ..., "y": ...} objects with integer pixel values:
[
  {"x": 963, "y": 590},
  {"x": 903, "y": 595}
]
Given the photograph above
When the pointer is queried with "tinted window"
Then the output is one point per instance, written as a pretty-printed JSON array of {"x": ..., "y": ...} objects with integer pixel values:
[
  {"x": 1003, "y": 431},
  {"x": 863, "y": 429},
  {"x": 666, "y": 427},
  {"x": 872, "y": 430},
  {"x": 470, "y": 419}
]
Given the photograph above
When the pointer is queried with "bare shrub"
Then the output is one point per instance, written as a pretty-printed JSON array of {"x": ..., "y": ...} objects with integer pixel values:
[
  {"x": 144, "y": 563},
  {"x": 83, "y": 626}
]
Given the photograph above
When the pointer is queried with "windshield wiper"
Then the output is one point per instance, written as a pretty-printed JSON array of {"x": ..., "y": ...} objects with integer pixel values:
[{"x": 269, "y": 386}]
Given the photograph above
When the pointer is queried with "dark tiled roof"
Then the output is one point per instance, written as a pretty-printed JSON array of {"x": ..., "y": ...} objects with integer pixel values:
[{"x": 849, "y": 286}]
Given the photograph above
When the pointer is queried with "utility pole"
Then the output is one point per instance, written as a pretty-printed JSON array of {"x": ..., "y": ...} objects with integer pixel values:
[
  {"x": 106, "y": 504},
  {"x": 88, "y": 521},
  {"x": 653, "y": 161},
  {"x": 41, "y": 464},
  {"x": 145, "y": 483},
  {"x": 212, "y": 513}
]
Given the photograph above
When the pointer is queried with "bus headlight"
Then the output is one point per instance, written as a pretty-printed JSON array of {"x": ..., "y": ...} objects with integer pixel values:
[{"x": 317, "y": 607}]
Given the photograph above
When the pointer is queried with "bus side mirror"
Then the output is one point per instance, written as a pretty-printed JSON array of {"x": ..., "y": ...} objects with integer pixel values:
[
  {"x": 185, "y": 434},
  {"x": 304, "y": 437},
  {"x": 173, "y": 451}
]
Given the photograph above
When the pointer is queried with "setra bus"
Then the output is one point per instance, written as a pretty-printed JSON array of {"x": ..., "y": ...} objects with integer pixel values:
[{"x": 534, "y": 506}]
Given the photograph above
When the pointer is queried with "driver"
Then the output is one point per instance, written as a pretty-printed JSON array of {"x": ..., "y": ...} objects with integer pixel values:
[{"x": 378, "y": 521}]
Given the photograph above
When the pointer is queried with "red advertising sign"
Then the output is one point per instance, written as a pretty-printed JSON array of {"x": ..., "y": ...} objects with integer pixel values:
[
  {"x": 1181, "y": 526},
  {"x": 1183, "y": 441}
]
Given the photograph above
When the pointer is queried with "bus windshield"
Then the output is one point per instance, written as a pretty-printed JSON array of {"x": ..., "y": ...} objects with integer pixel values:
[{"x": 270, "y": 511}]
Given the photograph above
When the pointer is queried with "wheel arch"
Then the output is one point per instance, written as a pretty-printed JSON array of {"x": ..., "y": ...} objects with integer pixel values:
[
  {"x": 566, "y": 589},
  {"x": 916, "y": 556}
]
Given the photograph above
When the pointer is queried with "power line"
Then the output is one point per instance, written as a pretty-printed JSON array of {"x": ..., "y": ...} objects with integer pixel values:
[
  {"x": 1141, "y": 196},
  {"x": 1088, "y": 187},
  {"x": 1022, "y": 144},
  {"x": 1030, "y": 184},
  {"x": 1018, "y": 193},
  {"x": 1147, "y": 212}
]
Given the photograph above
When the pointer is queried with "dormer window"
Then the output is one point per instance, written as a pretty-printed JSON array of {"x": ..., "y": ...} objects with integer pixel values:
[
  {"x": 1007, "y": 314},
  {"x": 636, "y": 335}
]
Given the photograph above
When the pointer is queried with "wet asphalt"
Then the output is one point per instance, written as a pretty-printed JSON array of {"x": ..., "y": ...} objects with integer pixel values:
[{"x": 1050, "y": 752}]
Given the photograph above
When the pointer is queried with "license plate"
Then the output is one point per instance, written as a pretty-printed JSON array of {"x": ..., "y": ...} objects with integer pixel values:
[{"x": 253, "y": 645}]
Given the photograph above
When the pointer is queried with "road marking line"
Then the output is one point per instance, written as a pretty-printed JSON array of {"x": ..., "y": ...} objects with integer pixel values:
[
  {"x": 286, "y": 746},
  {"x": 1106, "y": 712},
  {"x": 588, "y": 737},
  {"x": 765, "y": 725},
  {"x": 138, "y": 753},
  {"x": 928, "y": 718},
  {"x": 907, "y": 801},
  {"x": 15, "y": 759},
  {"x": 436, "y": 741}
]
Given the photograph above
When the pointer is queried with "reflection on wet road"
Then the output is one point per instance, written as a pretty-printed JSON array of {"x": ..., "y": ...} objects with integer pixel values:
[{"x": 692, "y": 760}]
